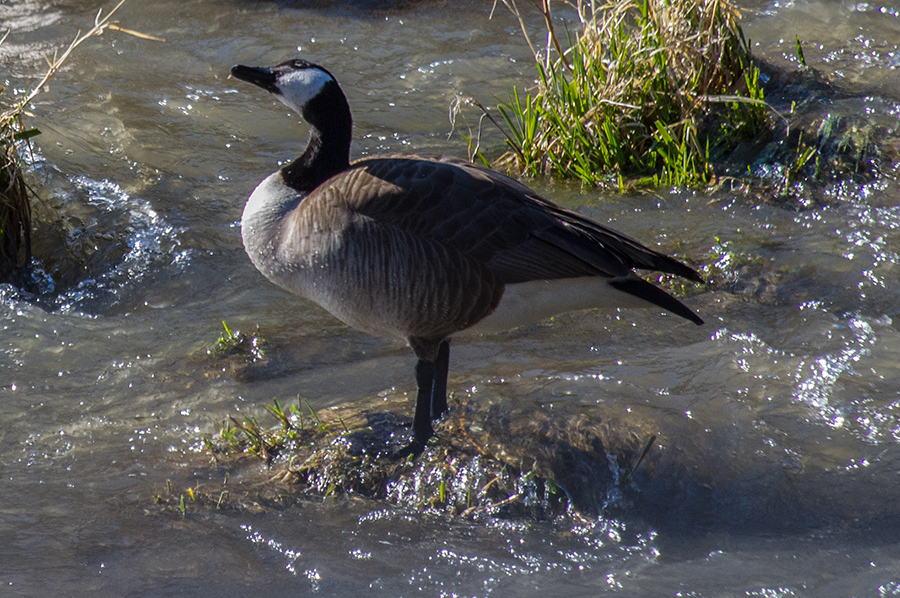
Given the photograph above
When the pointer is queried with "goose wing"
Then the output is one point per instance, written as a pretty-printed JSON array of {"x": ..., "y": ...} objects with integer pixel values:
[{"x": 496, "y": 221}]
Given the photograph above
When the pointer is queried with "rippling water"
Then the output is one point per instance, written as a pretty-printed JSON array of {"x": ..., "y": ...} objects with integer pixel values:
[{"x": 779, "y": 419}]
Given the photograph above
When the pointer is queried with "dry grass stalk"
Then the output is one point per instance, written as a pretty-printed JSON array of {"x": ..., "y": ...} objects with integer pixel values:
[{"x": 15, "y": 208}]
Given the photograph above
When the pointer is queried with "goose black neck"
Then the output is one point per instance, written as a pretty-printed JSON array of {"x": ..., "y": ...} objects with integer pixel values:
[{"x": 330, "y": 133}]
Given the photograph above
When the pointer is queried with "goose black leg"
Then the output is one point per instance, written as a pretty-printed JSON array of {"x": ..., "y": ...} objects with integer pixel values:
[
  {"x": 431, "y": 398},
  {"x": 422, "y": 429},
  {"x": 439, "y": 388}
]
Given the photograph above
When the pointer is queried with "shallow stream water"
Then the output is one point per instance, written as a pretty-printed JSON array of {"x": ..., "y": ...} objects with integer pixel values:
[{"x": 782, "y": 413}]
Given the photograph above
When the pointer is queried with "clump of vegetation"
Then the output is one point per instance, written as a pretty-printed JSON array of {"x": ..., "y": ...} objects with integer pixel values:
[
  {"x": 486, "y": 459},
  {"x": 666, "y": 93},
  {"x": 15, "y": 211},
  {"x": 247, "y": 436},
  {"x": 632, "y": 93},
  {"x": 251, "y": 347},
  {"x": 238, "y": 355},
  {"x": 15, "y": 208}
]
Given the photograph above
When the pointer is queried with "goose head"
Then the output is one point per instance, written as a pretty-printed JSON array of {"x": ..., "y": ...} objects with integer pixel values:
[
  {"x": 297, "y": 83},
  {"x": 313, "y": 93}
]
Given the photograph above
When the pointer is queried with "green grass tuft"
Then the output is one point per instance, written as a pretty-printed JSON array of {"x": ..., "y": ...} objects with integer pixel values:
[{"x": 632, "y": 95}]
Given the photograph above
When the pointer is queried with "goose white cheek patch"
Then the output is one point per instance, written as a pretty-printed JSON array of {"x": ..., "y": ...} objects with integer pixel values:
[{"x": 299, "y": 87}]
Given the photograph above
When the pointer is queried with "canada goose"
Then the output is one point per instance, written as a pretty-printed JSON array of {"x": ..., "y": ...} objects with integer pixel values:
[{"x": 422, "y": 248}]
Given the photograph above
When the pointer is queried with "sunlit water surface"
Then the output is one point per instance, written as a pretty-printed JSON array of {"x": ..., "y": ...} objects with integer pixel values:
[{"x": 781, "y": 415}]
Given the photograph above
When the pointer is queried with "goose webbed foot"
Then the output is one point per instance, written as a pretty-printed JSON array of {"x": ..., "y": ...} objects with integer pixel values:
[{"x": 410, "y": 451}]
